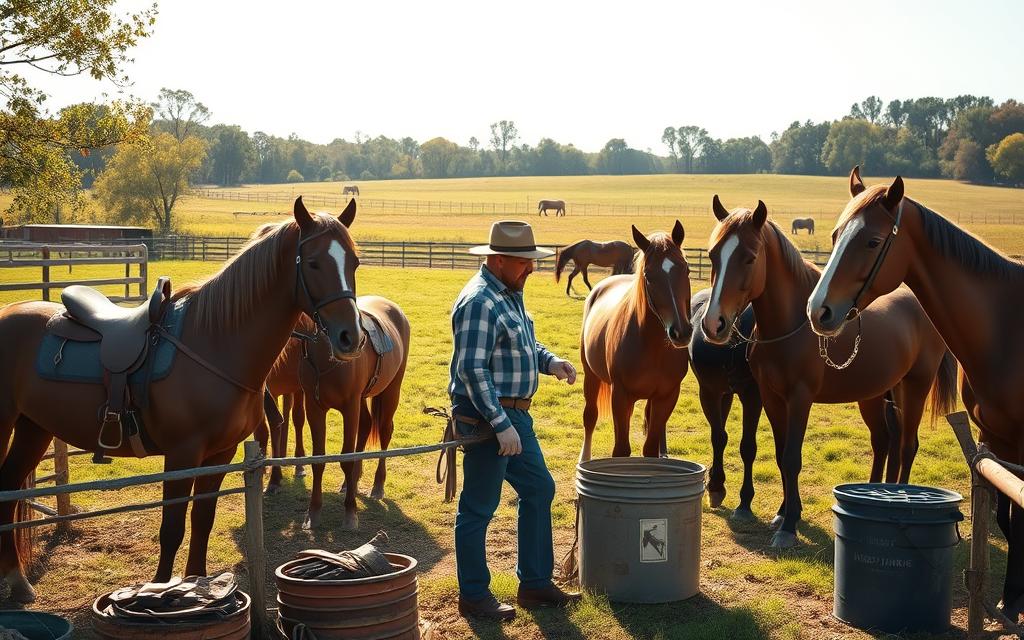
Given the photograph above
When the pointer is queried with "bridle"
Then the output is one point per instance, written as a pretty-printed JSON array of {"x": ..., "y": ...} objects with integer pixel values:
[
  {"x": 877, "y": 266},
  {"x": 300, "y": 281},
  {"x": 650, "y": 300}
]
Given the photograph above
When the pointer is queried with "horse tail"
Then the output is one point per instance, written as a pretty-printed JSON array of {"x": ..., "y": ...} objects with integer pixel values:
[
  {"x": 604, "y": 400},
  {"x": 376, "y": 407},
  {"x": 944, "y": 391},
  {"x": 563, "y": 259}
]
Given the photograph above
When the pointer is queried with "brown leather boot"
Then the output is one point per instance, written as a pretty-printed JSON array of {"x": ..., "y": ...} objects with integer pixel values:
[
  {"x": 549, "y": 596},
  {"x": 488, "y": 608}
]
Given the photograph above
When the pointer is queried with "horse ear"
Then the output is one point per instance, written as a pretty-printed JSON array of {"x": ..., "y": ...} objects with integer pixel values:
[
  {"x": 678, "y": 233},
  {"x": 760, "y": 214},
  {"x": 302, "y": 216},
  {"x": 856, "y": 184},
  {"x": 640, "y": 239},
  {"x": 348, "y": 216},
  {"x": 893, "y": 194},
  {"x": 716, "y": 206}
]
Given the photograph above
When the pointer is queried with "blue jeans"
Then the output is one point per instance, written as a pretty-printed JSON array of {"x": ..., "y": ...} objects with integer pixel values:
[{"x": 484, "y": 472}]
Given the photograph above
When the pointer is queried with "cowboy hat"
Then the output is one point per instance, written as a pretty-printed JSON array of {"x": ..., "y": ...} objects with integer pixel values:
[{"x": 512, "y": 238}]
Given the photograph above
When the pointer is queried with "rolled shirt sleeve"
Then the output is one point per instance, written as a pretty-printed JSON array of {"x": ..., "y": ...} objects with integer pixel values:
[
  {"x": 544, "y": 359},
  {"x": 475, "y": 338}
]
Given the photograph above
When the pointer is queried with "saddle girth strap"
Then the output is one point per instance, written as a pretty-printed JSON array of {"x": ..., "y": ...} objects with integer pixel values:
[{"x": 195, "y": 357}]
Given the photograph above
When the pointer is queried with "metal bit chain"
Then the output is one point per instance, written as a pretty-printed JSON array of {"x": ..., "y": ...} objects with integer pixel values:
[{"x": 823, "y": 350}]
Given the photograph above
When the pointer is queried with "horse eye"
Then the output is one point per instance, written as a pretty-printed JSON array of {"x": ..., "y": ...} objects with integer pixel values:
[
  {"x": 873, "y": 243},
  {"x": 314, "y": 265},
  {"x": 749, "y": 261}
]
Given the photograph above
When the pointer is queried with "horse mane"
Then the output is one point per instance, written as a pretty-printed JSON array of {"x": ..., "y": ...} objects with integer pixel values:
[
  {"x": 224, "y": 301},
  {"x": 949, "y": 240},
  {"x": 805, "y": 272}
]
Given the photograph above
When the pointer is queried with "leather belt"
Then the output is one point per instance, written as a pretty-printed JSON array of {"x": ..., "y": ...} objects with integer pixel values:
[{"x": 522, "y": 404}]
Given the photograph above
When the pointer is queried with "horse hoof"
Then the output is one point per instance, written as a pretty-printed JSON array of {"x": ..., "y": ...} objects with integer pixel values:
[
  {"x": 783, "y": 540},
  {"x": 271, "y": 489},
  {"x": 312, "y": 520},
  {"x": 350, "y": 522},
  {"x": 300, "y": 472},
  {"x": 377, "y": 493},
  {"x": 776, "y": 522},
  {"x": 742, "y": 514},
  {"x": 716, "y": 498},
  {"x": 21, "y": 591}
]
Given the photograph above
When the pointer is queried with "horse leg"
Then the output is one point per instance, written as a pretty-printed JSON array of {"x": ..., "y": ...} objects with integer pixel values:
[
  {"x": 711, "y": 403},
  {"x": 29, "y": 445},
  {"x": 317, "y": 417},
  {"x": 751, "y": 400},
  {"x": 591, "y": 390},
  {"x": 279, "y": 445},
  {"x": 912, "y": 397},
  {"x": 622, "y": 412},
  {"x": 1013, "y": 587},
  {"x": 350, "y": 414},
  {"x": 568, "y": 284},
  {"x": 775, "y": 409},
  {"x": 362, "y": 435},
  {"x": 798, "y": 408},
  {"x": 388, "y": 405},
  {"x": 172, "y": 517},
  {"x": 203, "y": 513},
  {"x": 872, "y": 412},
  {"x": 586, "y": 279},
  {"x": 659, "y": 409},
  {"x": 299, "y": 420}
]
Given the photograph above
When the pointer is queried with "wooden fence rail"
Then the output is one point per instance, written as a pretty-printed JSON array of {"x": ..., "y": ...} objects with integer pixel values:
[
  {"x": 988, "y": 474},
  {"x": 21, "y": 255}
]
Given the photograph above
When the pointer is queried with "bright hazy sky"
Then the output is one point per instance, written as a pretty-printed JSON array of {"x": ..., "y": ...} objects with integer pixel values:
[{"x": 579, "y": 72}]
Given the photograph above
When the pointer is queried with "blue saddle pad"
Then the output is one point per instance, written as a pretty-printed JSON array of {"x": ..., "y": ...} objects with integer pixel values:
[{"x": 80, "y": 361}]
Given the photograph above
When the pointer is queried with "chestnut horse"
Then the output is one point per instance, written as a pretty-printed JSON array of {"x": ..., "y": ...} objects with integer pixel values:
[
  {"x": 237, "y": 321},
  {"x": 971, "y": 292},
  {"x": 616, "y": 254},
  {"x": 307, "y": 368},
  {"x": 897, "y": 357},
  {"x": 635, "y": 332}
]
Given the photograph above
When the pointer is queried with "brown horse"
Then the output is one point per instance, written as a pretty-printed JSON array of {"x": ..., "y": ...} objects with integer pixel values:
[
  {"x": 307, "y": 367},
  {"x": 635, "y": 332},
  {"x": 237, "y": 321},
  {"x": 615, "y": 254},
  {"x": 557, "y": 205},
  {"x": 802, "y": 223},
  {"x": 350, "y": 190},
  {"x": 970, "y": 291},
  {"x": 898, "y": 353}
]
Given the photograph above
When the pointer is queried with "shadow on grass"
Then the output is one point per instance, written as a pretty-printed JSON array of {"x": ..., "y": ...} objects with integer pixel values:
[
  {"x": 697, "y": 617},
  {"x": 756, "y": 535}
]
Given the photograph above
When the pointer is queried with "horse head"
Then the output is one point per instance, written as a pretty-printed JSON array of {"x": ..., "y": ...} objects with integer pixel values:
[
  {"x": 325, "y": 276},
  {"x": 736, "y": 251},
  {"x": 663, "y": 281},
  {"x": 866, "y": 262}
]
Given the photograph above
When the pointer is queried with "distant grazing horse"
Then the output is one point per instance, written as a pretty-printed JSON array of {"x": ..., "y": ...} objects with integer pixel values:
[
  {"x": 635, "y": 332},
  {"x": 803, "y": 223},
  {"x": 365, "y": 389},
  {"x": 350, "y": 190},
  {"x": 236, "y": 324},
  {"x": 557, "y": 205},
  {"x": 615, "y": 254},
  {"x": 722, "y": 372},
  {"x": 972, "y": 294},
  {"x": 897, "y": 356}
]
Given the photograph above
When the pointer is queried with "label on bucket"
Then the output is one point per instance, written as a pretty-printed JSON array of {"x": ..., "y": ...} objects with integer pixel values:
[{"x": 654, "y": 540}]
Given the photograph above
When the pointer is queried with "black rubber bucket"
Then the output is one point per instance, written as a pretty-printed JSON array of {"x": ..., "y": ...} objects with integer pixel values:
[{"x": 894, "y": 556}]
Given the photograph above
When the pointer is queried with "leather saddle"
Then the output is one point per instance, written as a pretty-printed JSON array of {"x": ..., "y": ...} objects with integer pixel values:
[{"x": 124, "y": 334}]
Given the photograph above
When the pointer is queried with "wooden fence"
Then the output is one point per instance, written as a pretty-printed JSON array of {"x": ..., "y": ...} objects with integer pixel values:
[
  {"x": 988, "y": 474},
  {"x": 21, "y": 255}
]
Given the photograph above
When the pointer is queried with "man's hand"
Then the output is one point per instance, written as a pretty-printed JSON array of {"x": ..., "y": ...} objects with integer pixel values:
[
  {"x": 562, "y": 370},
  {"x": 509, "y": 443}
]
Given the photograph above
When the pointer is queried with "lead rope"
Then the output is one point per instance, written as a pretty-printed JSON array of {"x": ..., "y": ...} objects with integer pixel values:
[{"x": 568, "y": 568}]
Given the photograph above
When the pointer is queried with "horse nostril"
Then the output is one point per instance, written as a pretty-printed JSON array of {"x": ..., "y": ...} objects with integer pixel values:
[
  {"x": 344, "y": 340},
  {"x": 825, "y": 314},
  {"x": 721, "y": 325}
]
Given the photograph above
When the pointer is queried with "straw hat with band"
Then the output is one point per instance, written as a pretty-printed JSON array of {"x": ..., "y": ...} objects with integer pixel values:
[{"x": 512, "y": 238}]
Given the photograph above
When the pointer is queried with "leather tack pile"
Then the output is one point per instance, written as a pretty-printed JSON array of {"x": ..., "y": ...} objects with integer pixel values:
[
  {"x": 362, "y": 562},
  {"x": 195, "y": 598}
]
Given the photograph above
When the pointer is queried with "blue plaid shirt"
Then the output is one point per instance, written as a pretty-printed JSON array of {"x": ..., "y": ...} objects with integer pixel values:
[{"x": 496, "y": 351}]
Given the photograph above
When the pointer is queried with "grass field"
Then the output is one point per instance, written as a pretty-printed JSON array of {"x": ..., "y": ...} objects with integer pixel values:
[{"x": 747, "y": 591}]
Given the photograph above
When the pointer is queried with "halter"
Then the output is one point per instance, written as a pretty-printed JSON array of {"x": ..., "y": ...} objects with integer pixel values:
[
  {"x": 877, "y": 266},
  {"x": 300, "y": 279}
]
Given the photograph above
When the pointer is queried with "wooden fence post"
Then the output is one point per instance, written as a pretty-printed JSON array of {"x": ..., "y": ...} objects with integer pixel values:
[
  {"x": 46, "y": 274},
  {"x": 255, "y": 558},
  {"x": 60, "y": 478}
]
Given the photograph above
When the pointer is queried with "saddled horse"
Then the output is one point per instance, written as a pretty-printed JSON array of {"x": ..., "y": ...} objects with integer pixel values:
[
  {"x": 972, "y": 294},
  {"x": 616, "y": 254},
  {"x": 350, "y": 190},
  {"x": 802, "y": 223},
  {"x": 722, "y": 373},
  {"x": 235, "y": 324},
  {"x": 897, "y": 356},
  {"x": 635, "y": 332},
  {"x": 557, "y": 205},
  {"x": 365, "y": 389}
]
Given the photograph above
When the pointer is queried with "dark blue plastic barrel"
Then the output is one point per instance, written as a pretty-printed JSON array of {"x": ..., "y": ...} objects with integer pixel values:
[
  {"x": 36, "y": 625},
  {"x": 894, "y": 556}
]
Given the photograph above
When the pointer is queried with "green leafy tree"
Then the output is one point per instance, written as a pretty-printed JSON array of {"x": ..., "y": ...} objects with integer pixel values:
[
  {"x": 437, "y": 156},
  {"x": 671, "y": 139},
  {"x": 230, "y": 154},
  {"x": 60, "y": 38},
  {"x": 798, "y": 149},
  {"x": 294, "y": 176},
  {"x": 852, "y": 142},
  {"x": 143, "y": 181},
  {"x": 179, "y": 113},
  {"x": 503, "y": 138},
  {"x": 690, "y": 142},
  {"x": 1007, "y": 158}
]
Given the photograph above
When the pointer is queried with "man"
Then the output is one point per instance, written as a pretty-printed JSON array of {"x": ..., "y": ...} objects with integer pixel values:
[{"x": 494, "y": 373}]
